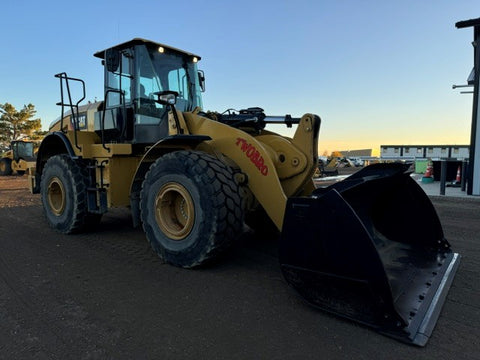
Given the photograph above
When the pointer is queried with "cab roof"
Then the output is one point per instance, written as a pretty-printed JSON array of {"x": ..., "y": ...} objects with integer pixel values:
[{"x": 140, "y": 41}]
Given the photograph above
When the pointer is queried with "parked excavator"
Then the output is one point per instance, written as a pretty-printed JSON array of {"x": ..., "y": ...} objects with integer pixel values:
[{"x": 191, "y": 178}]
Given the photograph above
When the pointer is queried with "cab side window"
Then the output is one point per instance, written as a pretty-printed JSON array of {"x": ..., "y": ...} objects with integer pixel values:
[{"x": 177, "y": 81}]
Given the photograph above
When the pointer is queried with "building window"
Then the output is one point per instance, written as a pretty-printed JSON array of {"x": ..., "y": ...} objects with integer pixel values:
[
  {"x": 407, "y": 151},
  {"x": 395, "y": 150},
  {"x": 456, "y": 150},
  {"x": 419, "y": 150},
  {"x": 430, "y": 150},
  {"x": 443, "y": 150}
]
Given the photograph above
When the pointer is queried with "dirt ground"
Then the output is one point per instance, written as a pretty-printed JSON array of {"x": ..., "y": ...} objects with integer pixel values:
[
  {"x": 14, "y": 192},
  {"x": 105, "y": 295}
]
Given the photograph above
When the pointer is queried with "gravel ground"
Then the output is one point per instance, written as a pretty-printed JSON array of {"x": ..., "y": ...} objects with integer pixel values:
[{"x": 105, "y": 295}]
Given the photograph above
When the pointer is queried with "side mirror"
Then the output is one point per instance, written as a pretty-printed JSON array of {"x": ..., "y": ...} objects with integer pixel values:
[
  {"x": 201, "y": 79},
  {"x": 167, "y": 97}
]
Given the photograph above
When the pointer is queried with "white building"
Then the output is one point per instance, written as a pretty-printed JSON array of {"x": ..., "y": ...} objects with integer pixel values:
[{"x": 411, "y": 152}]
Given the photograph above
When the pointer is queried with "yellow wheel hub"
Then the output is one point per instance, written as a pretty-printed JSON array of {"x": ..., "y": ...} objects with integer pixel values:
[
  {"x": 174, "y": 211},
  {"x": 3, "y": 166},
  {"x": 56, "y": 196}
]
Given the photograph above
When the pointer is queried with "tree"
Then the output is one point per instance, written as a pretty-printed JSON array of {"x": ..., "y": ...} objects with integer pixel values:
[{"x": 17, "y": 124}]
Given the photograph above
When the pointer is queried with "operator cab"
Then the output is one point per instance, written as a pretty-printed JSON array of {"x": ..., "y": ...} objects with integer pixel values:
[
  {"x": 135, "y": 73},
  {"x": 23, "y": 150}
]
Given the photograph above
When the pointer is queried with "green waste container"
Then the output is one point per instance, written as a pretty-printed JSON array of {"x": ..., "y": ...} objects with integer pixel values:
[{"x": 421, "y": 166}]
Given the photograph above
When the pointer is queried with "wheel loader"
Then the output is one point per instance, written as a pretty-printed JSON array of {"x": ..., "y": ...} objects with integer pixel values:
[
  {"x": 18, "y": 159},
  {"x": 370, "y": 248}
]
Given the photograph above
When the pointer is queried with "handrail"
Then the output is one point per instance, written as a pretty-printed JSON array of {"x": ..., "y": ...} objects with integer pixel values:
[{"x": 74, "y": 114}]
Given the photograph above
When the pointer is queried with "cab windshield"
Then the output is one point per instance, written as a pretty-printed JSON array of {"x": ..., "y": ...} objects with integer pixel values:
[
  {"x": 22, "y": 150},
  {"x": 161, "y": 71}
]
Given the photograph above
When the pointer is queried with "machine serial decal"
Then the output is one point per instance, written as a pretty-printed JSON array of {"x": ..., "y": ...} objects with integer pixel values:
[{"x": 252, "y": 153}]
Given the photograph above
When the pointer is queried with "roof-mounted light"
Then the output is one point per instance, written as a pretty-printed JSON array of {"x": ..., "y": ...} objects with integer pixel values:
[
  {"x": 161, "y": 49},
  {"x": 195, "y": 59}
]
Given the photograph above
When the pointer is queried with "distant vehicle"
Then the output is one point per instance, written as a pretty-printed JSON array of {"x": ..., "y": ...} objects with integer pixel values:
[
  {"x": 18, "y": 159},
  {"x": 357, "y": 161},
  {"x": 323, "y": 160}
]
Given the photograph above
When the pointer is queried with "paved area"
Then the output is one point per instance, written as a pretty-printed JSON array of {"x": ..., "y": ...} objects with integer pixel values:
[
  {"x": 105, "y": 295},
  {"x": 433, "y": 189}
]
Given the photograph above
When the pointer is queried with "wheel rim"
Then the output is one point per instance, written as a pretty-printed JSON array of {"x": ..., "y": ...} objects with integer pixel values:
[
  {"x": 3, "y": 166},
  {"x": 56, "y": 196},
  {"x": 174, "y": 211}
]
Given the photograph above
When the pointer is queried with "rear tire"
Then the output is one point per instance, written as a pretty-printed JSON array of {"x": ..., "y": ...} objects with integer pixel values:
[
  {"x": 5, "y": 167},
  {"x": 63, "y": 190},
  {"x": 191, "y": 208}
]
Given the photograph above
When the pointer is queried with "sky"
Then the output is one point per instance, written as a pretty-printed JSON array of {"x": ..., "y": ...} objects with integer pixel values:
[{"x": 376, "y": 72}]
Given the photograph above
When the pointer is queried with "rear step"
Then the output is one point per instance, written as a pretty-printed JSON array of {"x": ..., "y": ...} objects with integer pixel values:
[
  {"x": 371, "y": 249},
  {"x": 96, "y": 193}
]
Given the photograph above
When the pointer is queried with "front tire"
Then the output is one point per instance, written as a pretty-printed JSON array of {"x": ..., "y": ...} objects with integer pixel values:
[
  {"x": 63, "y": 190},
  {"x": 191, "y": 208},
  {"x": 5, "y": 167}
]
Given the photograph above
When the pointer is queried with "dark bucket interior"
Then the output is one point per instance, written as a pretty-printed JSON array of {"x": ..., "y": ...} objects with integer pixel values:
[{"x": 370, "y": 248}]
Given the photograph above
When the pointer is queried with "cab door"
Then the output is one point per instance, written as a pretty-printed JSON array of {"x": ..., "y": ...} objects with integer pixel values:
[{"x": 116, "y": 120}]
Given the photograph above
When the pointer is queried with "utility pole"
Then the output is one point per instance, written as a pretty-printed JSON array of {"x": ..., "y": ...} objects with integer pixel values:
[{"x": 473, "y": 176}]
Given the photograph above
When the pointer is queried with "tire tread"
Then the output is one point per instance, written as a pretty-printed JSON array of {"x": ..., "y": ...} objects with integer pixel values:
[{"x": 217, "y": 180}]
